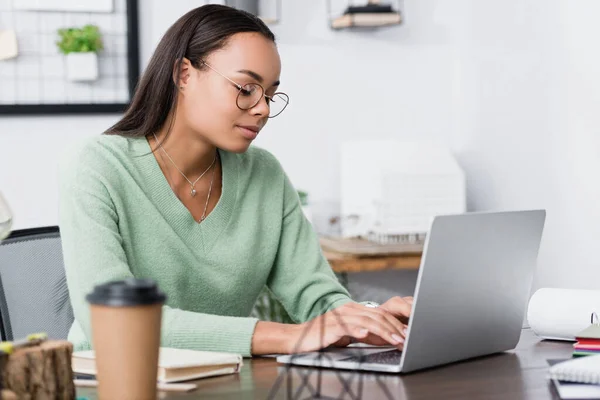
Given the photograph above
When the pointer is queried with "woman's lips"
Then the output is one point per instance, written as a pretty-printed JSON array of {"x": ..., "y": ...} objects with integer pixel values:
[{"x": 249, "y": 132}]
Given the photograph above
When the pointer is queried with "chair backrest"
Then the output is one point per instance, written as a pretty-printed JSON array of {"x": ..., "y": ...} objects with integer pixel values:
[{"x": 33, "y": 289}]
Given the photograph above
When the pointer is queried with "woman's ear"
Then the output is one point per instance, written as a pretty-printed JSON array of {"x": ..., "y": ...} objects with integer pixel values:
[{"x": 181, "y": 72}]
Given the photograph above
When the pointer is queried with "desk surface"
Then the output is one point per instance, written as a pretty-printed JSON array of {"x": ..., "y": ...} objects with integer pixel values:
[{"x": 517, "y": 374}]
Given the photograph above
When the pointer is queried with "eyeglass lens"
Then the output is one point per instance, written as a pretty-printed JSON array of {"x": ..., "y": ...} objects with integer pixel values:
[{"x": 251, "y": 94}]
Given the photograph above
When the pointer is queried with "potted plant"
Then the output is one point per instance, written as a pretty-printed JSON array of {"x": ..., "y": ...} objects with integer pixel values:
[
  {"x": 305, "y": 204},
  {"x": 81, "y": 46}
]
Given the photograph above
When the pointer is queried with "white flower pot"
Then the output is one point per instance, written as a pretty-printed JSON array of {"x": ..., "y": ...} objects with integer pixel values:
[{"x": 82, "y": 66}]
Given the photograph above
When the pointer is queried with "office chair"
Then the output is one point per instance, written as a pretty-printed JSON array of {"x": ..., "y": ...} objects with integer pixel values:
[{"x": 33, "y": 289}]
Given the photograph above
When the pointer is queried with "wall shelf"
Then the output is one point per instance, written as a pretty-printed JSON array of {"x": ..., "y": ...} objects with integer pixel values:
[{"x": 371, "y": 14}]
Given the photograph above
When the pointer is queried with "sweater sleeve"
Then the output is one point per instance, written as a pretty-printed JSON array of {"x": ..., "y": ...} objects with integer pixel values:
[
  {"x": 302, "y": 279},
  {"x": 93, "y": 254}
]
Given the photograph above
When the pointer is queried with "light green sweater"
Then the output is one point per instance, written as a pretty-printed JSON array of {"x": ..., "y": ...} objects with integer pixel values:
[{"x": 119, "y": 218}]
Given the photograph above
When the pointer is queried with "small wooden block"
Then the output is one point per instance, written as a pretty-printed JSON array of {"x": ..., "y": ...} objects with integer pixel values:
[{"x": 40, "y": 372}]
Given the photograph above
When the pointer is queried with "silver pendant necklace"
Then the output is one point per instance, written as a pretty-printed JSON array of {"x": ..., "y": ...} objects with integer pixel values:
[{"x": 192, "y": 184}]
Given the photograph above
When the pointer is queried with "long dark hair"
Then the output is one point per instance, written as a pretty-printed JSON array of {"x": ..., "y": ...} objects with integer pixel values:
[{"x": 193, "y": 36}]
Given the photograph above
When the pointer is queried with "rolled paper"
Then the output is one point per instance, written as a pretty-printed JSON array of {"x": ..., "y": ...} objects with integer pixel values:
[{"x": 559, "y": 314}]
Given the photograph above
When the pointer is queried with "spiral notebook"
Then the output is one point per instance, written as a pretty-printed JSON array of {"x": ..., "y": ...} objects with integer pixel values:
[
  {"x": 571, "y": 389},
  {"x": 581, "y": 370}
]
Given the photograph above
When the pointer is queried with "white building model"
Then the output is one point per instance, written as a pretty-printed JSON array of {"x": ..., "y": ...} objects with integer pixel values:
[{"x": 392, "y": 189}]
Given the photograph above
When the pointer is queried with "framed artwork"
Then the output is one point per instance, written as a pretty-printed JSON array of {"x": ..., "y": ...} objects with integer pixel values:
[{"x": 36, "y": 77}]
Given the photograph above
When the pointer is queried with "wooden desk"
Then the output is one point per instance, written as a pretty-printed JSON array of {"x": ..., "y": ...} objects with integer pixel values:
[
  {"x": 354, "y": 255},
  {"x": 517, "y": 374},
  {"x": 343, "y": 264}
]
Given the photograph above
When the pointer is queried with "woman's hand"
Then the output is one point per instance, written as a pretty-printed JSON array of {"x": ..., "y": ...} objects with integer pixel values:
[
  {"x": 400, "y": 307},
  {"x": 353, "y": 322}
]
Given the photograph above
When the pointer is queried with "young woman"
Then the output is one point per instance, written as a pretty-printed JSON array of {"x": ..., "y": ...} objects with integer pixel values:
[{"x": 175, "y": 193}]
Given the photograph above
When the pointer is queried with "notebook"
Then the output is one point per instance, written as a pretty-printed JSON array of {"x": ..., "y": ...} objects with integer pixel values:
[
  {"x": 174, "y": 365},
  {"x": 573, "y": 390},
  {"x": 581, "y": 370}
]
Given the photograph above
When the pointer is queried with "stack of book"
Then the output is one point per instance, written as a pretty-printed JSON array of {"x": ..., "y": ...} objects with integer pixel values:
[
  {"x": 369, "y": 15},
  {"x": 588, "y": 342}
]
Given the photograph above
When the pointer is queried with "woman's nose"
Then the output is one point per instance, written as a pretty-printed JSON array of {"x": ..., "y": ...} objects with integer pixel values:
[{"x": 261, "y": 108}]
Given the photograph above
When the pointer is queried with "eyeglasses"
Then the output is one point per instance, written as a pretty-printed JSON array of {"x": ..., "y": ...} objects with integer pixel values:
[{"x": 251, "y": 94}]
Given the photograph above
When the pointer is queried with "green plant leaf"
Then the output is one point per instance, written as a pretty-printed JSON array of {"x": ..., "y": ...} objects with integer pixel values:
[{"x": 80, "y": 40}]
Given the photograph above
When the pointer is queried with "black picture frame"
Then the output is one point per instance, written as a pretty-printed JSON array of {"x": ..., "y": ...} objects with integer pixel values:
[{"x": 133, "y": 73}]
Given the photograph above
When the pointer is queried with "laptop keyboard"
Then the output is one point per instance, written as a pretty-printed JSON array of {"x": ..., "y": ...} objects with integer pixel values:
[{"x": 385, "y": 357}]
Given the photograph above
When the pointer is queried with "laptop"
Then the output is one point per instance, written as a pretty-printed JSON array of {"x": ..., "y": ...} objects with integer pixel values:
[{"x": 472, "y": 290}]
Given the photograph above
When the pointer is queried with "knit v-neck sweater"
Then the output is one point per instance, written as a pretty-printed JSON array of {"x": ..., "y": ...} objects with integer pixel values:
[{"x": 119, "y": 218}]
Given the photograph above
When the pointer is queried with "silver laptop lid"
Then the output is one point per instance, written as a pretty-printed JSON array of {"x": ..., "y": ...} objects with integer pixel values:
[{"x": 473, "y": 286}]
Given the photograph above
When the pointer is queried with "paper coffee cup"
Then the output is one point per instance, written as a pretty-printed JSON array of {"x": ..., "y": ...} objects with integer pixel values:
[{"x": 126, "y": 321}]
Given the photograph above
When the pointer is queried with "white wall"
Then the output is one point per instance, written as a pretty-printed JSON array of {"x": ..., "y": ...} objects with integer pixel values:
[
  {"x": 513, "y": 101},
  {"x": 531, "y": 136},
  {"x": 579, "y": 142},
  {"x": 509, "y": 86},
  {"x": 29, "y": 150}
]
